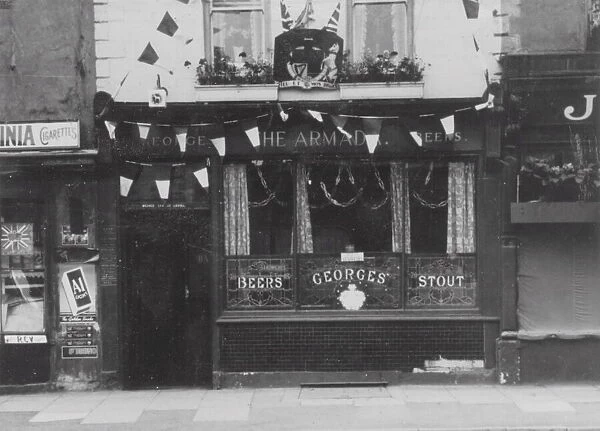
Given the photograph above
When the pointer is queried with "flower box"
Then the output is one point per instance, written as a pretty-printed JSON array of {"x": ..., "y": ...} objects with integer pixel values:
[
  {"x": 381, "y": 90},
  {"x": 236, "y": 93},
  {"x": 555, "y": 212}
]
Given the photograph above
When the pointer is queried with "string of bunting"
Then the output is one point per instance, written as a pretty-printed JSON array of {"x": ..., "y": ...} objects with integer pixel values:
[
  {"x": 160, "y": 174},
  {"x": 215, "y": 132}
]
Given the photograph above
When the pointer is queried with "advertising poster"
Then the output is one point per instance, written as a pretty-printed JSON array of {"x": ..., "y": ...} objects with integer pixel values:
[{"x": 78, "y": 292}]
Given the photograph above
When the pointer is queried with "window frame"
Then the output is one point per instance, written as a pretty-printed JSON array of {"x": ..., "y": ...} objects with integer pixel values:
[
  {"x": 297, "y": 303},
  {"x": 236, "y": 6},
  {"x": 410, "y": 47}
]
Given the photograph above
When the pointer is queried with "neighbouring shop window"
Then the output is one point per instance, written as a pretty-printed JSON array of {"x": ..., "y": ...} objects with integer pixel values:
[
  {"x": 380, "y": 26},
  {"x": 237, "y": 27},
  {"x": 350, "y": 228},
  {"x": 22, "y": 266}
]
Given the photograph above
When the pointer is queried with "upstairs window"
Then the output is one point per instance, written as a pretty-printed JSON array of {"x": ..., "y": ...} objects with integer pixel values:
[
  {"x": 237, "y": 27},
  {"x": 379, "y": 26}
]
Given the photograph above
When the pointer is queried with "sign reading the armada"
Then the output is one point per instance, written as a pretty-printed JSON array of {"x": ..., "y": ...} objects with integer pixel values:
[{"x": 39, "y": 136}]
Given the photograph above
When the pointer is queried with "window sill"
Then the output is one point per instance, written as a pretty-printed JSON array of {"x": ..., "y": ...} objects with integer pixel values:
[
  {"x": 236, "y": 93},
  {"x": 471, "y": 314}
]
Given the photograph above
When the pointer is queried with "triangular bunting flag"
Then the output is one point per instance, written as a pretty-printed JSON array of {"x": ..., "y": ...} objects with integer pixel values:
[
  {"x": 481, "y": 106},
  {"x": 219, "y": 144},
  {"x": 340, "y": 122},
  {"x": 372, "y": 128},
  {"x": 149, "y": 56},
  {"x": 111, "y": 126},
  {"x": 448, "y": 124},
  {"x": 332, "y": 24},
  {"x": 162, "y": 179},
  {"x": 168, "y": 25},
  {"x": 251, "y": 129},
  {"x": 144, "y": 129},
  {"x": 417, "y": 138},
  {"x": 202, "y": 177},
  {"x": 286, "y": 19},
  {"x": 316, "y": 115},
  {"x": 125, "y": 184},
  {"x": 181, "y": 133}
]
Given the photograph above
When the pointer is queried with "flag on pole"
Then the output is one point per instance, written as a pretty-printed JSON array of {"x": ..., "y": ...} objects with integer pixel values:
[
  {"x": 372, "y": 129},
  {"x": 332, "y": 24},
  {"x": 111, "y": 126},
  {"x": 305, "y": 16},
  {"x": 286, "y": 19},
  {"x": 169, "y": 27},
  {"x": 149, "y": 56}
]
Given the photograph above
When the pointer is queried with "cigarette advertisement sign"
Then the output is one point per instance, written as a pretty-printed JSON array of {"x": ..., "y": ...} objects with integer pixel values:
[
  {"x": 78, "y": 294},
  {"x": 39, "y": 136}
]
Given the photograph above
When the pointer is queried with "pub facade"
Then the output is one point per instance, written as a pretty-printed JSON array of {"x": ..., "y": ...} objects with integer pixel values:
[{"x": 299, "y": 195}]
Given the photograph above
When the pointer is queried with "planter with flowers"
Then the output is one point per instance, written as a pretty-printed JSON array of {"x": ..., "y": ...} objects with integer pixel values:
[
  {"x": 381, "y": 77},
  {"x": 225, "y": 81},
  {"x": 567, "y": 193}
]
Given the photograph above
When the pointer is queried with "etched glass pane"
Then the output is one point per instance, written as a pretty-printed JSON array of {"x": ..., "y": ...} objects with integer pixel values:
[
  {"x": 260, "y": 283},
  {"x": 359, "y": 284},
  {"x": 441, "y": 281}
]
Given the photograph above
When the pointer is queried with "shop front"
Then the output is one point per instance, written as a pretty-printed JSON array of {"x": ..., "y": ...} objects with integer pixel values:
[
  {"x": 295, "y": 245},
  {"x": 48, "y": 313}
]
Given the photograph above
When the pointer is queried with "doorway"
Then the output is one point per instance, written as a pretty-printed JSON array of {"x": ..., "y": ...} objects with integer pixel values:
[{"x": 166, "y": 273}]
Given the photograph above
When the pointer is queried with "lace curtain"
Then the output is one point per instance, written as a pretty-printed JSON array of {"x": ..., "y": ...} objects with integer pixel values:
[
  {"x": 379, "y": 27},
  {"x": 304, "y": 227},
  {"x": 234, "y": 32},
  {"x": 360, "y": 30},
  {"x": 237, "y": 221},
  {"x": 400, "y": 209},
  {"x": 461, "y": 215}
]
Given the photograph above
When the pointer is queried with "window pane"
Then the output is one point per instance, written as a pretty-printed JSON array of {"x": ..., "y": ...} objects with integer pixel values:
[
  {"x": 258, "y": 208},
  {"x": 22, "y": 267},
  {"x": 350, "y": 207},
  {"x": 234, "y": 32},
  {"x": 379, "y": 27}
]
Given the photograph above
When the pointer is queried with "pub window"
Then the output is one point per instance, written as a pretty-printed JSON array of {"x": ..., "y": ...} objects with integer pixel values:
[
  {"x": 380, "y": 26},
  {"x": 22, "y": 266},
  {"x": 236, "y": 27}
]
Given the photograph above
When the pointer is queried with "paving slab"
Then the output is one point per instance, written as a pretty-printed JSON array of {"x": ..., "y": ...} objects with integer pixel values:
[
  {"x": 533, "y": 399},
  {"x": 69, "y": 407},
  {"x": 177, "y": 399},
  {"x": 421, "y": 394},
  {"x": 227, "y": 397},
  {"x": 222, "y": 413},
  {"x": 576, "y": 393},
  {"x": 119, "y": 408},
  {"x": 478, "y": 395},
  {"x": 27, "y": 403}
]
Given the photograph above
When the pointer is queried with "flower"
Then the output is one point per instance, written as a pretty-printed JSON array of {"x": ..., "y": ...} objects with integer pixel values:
[
  {"x": 223, "y": 71},
  {"x": 381, "y": 68}
]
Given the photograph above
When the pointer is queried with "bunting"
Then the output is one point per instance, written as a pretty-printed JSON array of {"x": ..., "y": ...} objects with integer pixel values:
[
  {"x": 181, "y": 134},
  {"x": 372, "y": 128},
  {"x": 163, "y": 180},
  {"x": 251, "y": 129},
  {"x": 169, "y": 27},
  {"x": 149, "y": 56},
  {"x": 339, "y": 123},
  {"x": 316, "y": 115},
  {"x": 448, "y": 124},
  {"x": 111, "y": 126},
  {"x": 129, "y": 173},
  {"x": 143, "y": 128},
  {"x": 202, "y": 177}
]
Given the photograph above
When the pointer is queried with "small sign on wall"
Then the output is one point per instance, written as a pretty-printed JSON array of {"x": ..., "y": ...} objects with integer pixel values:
[
  {"x": 25, "y": 339},
  {"x": 79, "y": 352},
  {"x": 78, "y": 292}
]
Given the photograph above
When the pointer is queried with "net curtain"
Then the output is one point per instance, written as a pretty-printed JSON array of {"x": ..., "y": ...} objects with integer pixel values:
[
  {"x": 237, "y": 220},
  {"x": 461, "y": 208}
]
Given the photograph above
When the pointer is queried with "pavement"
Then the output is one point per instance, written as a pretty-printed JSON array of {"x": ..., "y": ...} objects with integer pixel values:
[{"x": 403, "y": 407}]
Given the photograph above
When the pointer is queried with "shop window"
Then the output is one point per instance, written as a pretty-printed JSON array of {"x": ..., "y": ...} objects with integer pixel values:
[
  {"x": 349, "y": 229},
  {"x": 380, "y": 26},
  {"x": 22, "y": 266},
  {"x": 237, "y": 27}
]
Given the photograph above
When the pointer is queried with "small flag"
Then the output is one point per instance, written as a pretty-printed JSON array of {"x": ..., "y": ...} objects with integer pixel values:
[
  {"x": 448, "y": 124},
  {"x": 143, "y": 129},
  {"x": 316, "y": 115},
  {"x": 181, "y": 133},
  {"x": 372, "y": 129},
  {"x": 149, "y": 56},
  {"x": 162, "y": 179},
  {"x": 332, "y": 24},
  {"x": 305, "y": 16},
  {"x": 125, "y": 184},
  {"x": 340, "y": 122},
  {"x": 417, "y": 138},
  {"x": 202, "y": 177},
  {"x": 111, "y": 126},
  {"x": 219, "y": 144},
  {"x": 169, "y": 27},
  {"x": 286, "y": 19},
  {"x": 251, "y": 129}
]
